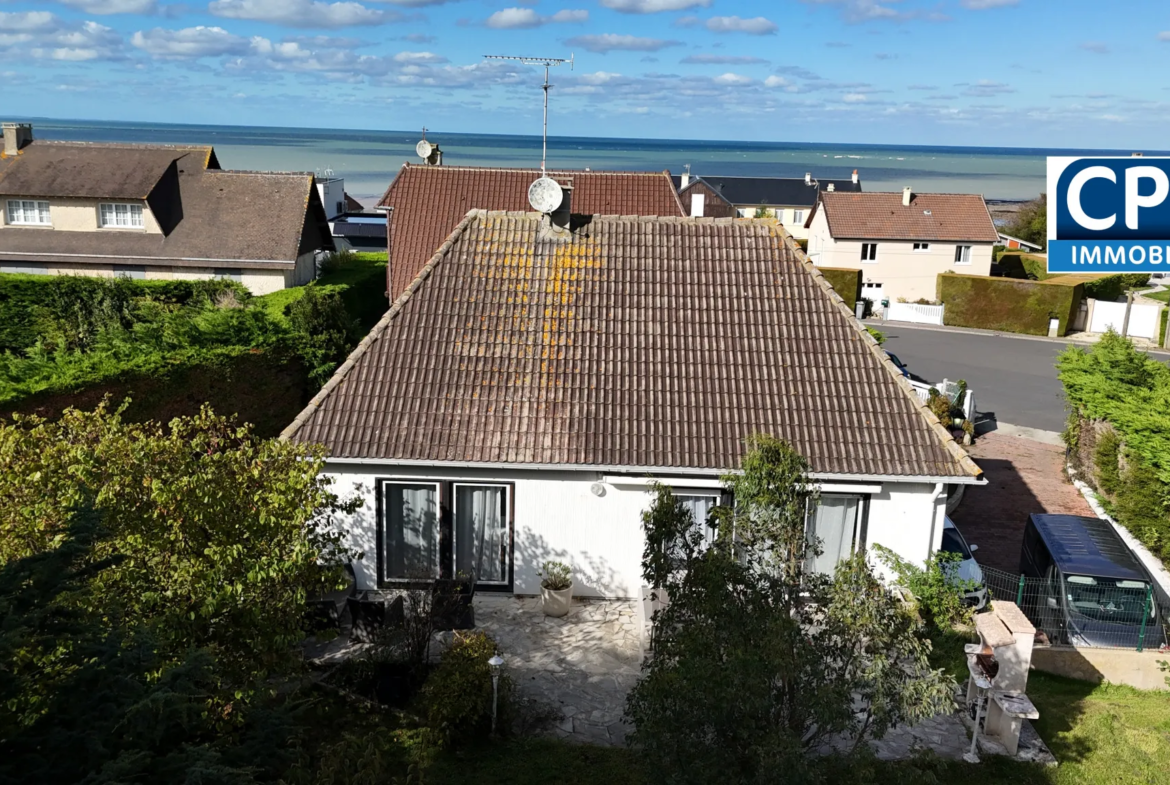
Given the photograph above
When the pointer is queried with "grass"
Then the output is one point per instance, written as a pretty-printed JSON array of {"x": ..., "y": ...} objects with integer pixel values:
[
  {"x": 359, "y": 278},
  {"x": 1161, "y": 296}
]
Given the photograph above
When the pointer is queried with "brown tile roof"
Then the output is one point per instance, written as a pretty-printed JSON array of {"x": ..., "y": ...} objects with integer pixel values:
[
  {"x": 881, "y": 216},
  {"x": 92, "y": 171},
  {"x": 229, "y": 219},
  {"x": 429, "y": 201},
  {"x": 637, "y": 343}
]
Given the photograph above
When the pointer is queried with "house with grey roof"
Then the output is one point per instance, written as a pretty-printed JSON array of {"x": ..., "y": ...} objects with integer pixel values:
[
  {"x": 789, "y": 200},
  {"x": 519, "y": 396},
  {"x": 153, "y": 212}
]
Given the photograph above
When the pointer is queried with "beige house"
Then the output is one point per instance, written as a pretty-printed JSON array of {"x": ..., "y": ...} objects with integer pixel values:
[
  {"x": 158, "y": 212},
  {"x": 901, "y": 242}
]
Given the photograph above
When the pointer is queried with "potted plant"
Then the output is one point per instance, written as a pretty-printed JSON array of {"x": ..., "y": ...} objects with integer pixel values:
[{"x": 556, "y": 588}]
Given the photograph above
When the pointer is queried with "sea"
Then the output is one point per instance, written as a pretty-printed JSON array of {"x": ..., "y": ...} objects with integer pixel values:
[{"x": 369, "y": 160}]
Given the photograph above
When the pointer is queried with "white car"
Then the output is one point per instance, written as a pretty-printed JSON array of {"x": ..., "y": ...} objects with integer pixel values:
[{"x": 969, "y": 570}]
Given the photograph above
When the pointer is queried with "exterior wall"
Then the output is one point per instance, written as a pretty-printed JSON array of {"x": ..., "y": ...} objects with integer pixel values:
[
  {"x": 786, "y": 215},
  {"x": 1117, "y": 666},
  {"x": 261, "y": 282},
  {"x": 332, "y": 193},
  {"x": 258, "y": 282},
  {"x": 81, "y": 215},
  {"x": 305, "y": 270},
  {"x": 905, "y": 273},
  {"x": 557, "y": 516},
  {"x": 714, "y": 206}
]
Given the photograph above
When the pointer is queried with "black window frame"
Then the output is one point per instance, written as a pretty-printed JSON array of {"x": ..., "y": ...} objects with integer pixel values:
[
  {"x": 446, "y": 487},
  {"x": 869, "y": 252}
]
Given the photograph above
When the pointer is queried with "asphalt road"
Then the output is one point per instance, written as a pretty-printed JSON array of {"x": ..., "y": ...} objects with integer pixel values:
[{"x": 1013, "y": 379}]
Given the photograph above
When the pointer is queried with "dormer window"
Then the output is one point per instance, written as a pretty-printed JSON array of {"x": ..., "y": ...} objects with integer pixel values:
[
  {"x": 121, "y": 216},
  {"x": 28, "y": 212}
]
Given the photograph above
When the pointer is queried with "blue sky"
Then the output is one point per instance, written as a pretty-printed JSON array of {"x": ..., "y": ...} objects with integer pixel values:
[{"x": 1022, "y": 73}]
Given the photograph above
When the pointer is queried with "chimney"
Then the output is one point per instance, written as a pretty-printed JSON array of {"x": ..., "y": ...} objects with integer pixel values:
[
  {"x": 808, "y": 178},
  {"x": 16, "y": 136},
  {"x": 560, "y": 216},
  {"x": 832, "y": 187},
  {"x": 685, "y": 179},
  {"x": 855, "y": 177},
  {"x": 906, "y": 194}
]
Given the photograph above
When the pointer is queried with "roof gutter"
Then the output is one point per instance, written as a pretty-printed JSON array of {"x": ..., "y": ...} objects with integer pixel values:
[
  {"x": 23, "y": 254},
  {"x": 662, "y": 471}
]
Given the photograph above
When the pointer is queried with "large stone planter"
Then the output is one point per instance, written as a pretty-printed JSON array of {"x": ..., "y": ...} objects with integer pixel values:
[{"x": 556, "y": 602}]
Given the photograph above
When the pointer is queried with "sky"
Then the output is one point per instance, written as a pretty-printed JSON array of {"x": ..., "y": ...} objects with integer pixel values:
[{"x": 1014, "y": 73}]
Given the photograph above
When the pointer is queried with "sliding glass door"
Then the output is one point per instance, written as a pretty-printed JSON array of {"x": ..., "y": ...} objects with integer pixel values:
[
  {"x": 481, "y": 532},
  {"x": 835, "y": 524},
  {"x": 446, "y": 529}
]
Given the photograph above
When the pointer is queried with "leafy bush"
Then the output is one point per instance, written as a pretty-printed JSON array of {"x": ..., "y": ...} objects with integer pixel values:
[
  {"x": 936, "y": 587},
  {"x": 1130, "y": 463},
  {"x": 1111, "y": 287},
  {"x": 1031, "y": 223},
  {"x": 845, "y": 282},
  {"x": 457, "y": 697},
  {"x": 323, "y": 330}
]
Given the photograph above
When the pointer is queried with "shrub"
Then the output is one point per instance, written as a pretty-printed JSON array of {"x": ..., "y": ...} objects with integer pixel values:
[
  {"x": 1031, "y": 222},
  {"x": 1008, "y": 304},
  {"x": 878, "y": 335},
  {"x": 457, "y": 697},
  {"x": 936, "y": 587},
  {"x": 1106, "y": 459},
  {"x": 323, "y": 331},
  {"x": 845, "y": 282}
]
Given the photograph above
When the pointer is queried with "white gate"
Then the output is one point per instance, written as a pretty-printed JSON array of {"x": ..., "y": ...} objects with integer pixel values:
[
  {"x": 1143, "y": 319},
  {"x": 913, "y": 312}
]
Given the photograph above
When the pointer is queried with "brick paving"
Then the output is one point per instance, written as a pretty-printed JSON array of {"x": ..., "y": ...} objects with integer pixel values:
[{"x": 1023, "y": 477}]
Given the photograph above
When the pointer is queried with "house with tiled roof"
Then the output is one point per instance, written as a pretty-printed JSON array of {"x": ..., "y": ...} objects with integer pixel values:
[
  {"x": 424, "y": 203},
  {"x": 789, "y": 200},
  {"x": 158, "y": 212},
  {"x": 517, "y": 399},
  {"x": 901, "y": 241}
]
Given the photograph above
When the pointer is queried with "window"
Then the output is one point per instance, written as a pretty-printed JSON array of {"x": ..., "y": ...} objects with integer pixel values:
[
  {"x": 962, "y": 254},
  {"x": 229, "y": 274},
  {"x": 442, "y": 529},
  {"x": 921, "y": 247},
  {"x": 700, "y": 507},
  {"x": 837, "y": 524},
  {"x": 27, "y": 212},
  {"x": 869, "y": 252},
  {"x": 25, "y": 268},
  {"x": 121, "y": 216},
  {"x": 135, "y": 271},
  {"x": 798, "y": 216}
]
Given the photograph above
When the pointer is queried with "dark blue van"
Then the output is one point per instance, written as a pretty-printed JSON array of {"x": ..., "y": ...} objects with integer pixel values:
[{"x": 1092, "y": 591}]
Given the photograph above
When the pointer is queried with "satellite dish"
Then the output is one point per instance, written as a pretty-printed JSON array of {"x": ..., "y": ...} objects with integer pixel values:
[
  {"x": 424, "y": 149},
  {"x": 545, "y": 195}
]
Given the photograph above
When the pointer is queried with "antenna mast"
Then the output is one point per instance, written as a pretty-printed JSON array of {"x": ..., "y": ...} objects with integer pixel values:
[{"x": 547, "y": 62}]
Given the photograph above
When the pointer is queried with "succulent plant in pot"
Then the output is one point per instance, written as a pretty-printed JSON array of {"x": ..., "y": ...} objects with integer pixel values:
[{"x": 556, "y": 588}]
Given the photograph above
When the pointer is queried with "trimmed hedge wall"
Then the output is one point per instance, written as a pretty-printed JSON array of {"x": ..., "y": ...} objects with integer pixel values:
[
  {"x": 1007, "y": 304},
  {"x": 846, "y": 282}
]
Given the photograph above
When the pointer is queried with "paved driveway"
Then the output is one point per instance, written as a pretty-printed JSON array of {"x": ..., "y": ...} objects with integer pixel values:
[{"x": 1023, "y": 477}]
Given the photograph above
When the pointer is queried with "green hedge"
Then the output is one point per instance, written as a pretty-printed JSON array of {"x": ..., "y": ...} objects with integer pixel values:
[
  {"x": 846, "y": 282},
  {"x": 1007, "y": 304},
  {"x": 1023, "y": 266}
]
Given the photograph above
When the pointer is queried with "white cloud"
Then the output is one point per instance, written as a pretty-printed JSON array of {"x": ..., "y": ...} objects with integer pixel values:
[
  {"x": 608, "y": 42},
  {"x": 419, "y": 57},
  {"x": 113, "y": 6},
  {"x": 985, "y": 88},
  {"x": 777, "y": 81},
  {"x": 522, "y": 18},
  {"x": 854, "y": 98},
  {"x": 302, "y": 13},
  {"x": 653, "y": 6},
  {"x": 734, "y": 24},
  {"x": 28, "y": 21},
  {"x": 43, "y": 35},
  {"x": 980, "y": 5},
  {"x": 855, "y": 11},
  {"x": 190, "y": 43},
  {"x": 1164, "y": 35},
  {"x": 733, "y": 79}
]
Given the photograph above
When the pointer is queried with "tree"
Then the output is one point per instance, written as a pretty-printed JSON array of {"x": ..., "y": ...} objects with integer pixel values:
[
  {"x": 1031, "y": 222},
  {"x": 759, "y": 661},
  {"x": 323, "y": 331},
  {"x": 215, "y": 537}
]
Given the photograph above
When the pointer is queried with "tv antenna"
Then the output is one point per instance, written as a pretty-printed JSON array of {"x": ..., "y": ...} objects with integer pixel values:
[{"x": 547, "y": 62}]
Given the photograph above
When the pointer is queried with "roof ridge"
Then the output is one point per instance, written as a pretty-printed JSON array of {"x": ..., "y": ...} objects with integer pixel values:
[
  {"x": 378, "y": 329},
  {"x": 630, "y": 172},
  {"x": 949, "y": 444},
  {"x": 899, "y": 193}
]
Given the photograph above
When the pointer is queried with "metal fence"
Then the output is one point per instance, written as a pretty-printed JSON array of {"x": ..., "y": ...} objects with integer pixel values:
[{"x": 1087, "y": 612}]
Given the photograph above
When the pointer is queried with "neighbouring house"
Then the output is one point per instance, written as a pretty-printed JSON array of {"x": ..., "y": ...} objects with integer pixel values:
[
  {"x": 901, "y": 242},
  {"x": 787, "y": 199},
  {"x": 153, "y": 211},
  {"x": 516, "y": 401},
  {"x": 1016, "y": 244},
  {"x": 352, "y": 227},
  {"x": 424, "y": 203}
]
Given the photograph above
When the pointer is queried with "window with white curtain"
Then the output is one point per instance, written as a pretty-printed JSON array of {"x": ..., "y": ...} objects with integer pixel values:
[
  {"x": 962, "y": 254},
  {"x": 411, "y": 537},
  {"x": 700, "y": 508},
  {"x": 28, "y": 212},
  {"x": 121, "y": 216},
  {"x": 481, "y": 532},
  {"x": 445, "y": 529},
  {"x": 836, "y": 525}
]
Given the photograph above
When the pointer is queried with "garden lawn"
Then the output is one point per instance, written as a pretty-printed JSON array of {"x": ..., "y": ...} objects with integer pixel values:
[
  {"x": 360, "y": 280},
  {"x": 1162, "y": 295}
]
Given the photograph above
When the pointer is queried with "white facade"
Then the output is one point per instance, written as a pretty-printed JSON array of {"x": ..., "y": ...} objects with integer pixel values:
[
  {"x": 791, "y": 218},
  {"x": 592, "y": 520},
  {"x": 902, "y": 269},
  {"x": 332, "y": 193}
]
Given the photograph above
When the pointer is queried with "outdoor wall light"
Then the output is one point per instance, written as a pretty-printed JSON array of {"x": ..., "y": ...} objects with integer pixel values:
[
  {"x": 495, "y": 667},
  {"x": 597, "y": 488}
]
